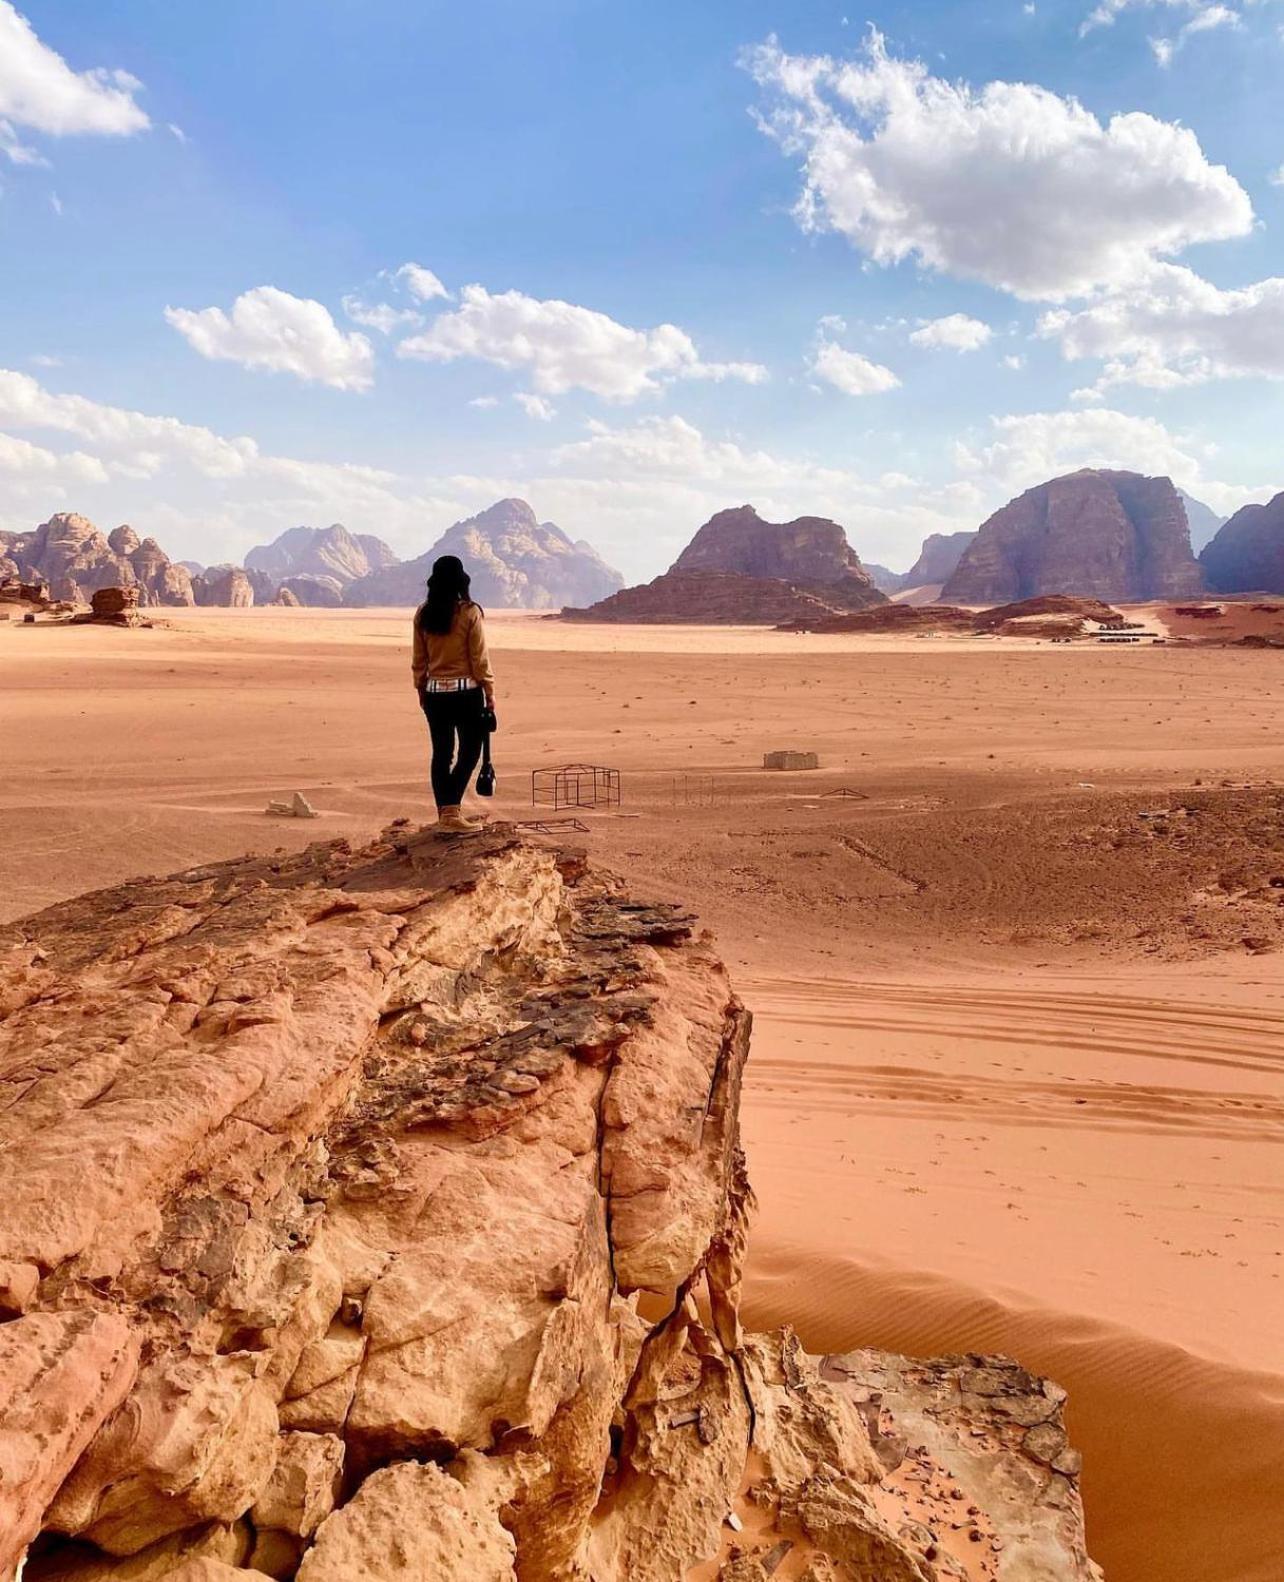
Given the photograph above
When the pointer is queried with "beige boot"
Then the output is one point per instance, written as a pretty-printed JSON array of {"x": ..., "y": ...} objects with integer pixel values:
[{"x": 453, "y": 818}]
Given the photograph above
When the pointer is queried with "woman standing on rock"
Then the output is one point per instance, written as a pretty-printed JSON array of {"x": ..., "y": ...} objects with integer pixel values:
[{"x": 454, "y": 682}]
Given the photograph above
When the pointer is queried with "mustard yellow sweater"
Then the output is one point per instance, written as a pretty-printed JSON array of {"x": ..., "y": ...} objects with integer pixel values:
[{"x": 456, "y": 654}]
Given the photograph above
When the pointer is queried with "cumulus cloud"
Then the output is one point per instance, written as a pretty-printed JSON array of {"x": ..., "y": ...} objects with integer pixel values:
[
  {"x": 19, "y": 457},
  {"x": 1015, "y": 361},
  {"x": 1034, "y": 446},
  {"x": 956, "y": 331},
  {"x": 381, "y": 316},
  {"x": 39, "y": 91},
  {"x": 271, "y": 329},
  {"x": 421, "y": 283},
  {"x": 1009, "y": 184},
  {"x": 1172, "y": 327},
  {"x": 566, "y": 347},
  {"x": 848, "y": 371},
  {"x": 535, "y": 406}
]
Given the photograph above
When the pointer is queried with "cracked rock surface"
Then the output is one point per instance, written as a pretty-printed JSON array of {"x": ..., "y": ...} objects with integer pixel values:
[{"x": 379, "y": 1213}]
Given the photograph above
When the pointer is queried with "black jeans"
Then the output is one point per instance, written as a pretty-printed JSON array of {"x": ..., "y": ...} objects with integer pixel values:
[{"x": 454, "y": 722}]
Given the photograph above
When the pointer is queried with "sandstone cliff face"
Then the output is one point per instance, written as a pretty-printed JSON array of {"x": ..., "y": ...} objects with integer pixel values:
[
  {"x": 515, "y": 561},
  {"x": 1098, "y": 534},
  {"x": 809, "y": 552},
  {"x": 76, "y": 560},
  {"x": 331, "y": 1183},
  {"x": 227, "y": 586},
  {"x": 1247, "y": 555},
  {"x": 938, "y": 559},
  {"x": 741, "y": 571}
]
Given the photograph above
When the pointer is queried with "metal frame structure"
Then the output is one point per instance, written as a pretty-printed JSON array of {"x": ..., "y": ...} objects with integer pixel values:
[
  {"x": 691, "y": 790},
  {"x": 575, "y": 785}
]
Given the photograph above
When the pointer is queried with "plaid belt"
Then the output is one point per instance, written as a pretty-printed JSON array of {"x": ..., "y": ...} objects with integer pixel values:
[{"x": 460, "y": 684}]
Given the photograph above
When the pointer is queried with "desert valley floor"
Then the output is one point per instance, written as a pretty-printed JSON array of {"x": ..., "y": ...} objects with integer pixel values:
[{"x": 1018, "y": 1069}]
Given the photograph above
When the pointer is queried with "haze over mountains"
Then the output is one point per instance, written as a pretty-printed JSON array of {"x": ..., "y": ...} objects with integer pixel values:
[{"x": 515, "y": 561}]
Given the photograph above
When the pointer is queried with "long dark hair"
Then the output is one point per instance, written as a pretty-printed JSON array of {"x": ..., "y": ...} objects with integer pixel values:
[{"x": 447, "y": 589}]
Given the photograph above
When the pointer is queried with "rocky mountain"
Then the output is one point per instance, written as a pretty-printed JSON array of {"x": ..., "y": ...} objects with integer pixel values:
[
  {"x": 317, "y": 563},
  {"x": 516, "y": 563},
  {"x": 76, "y": 559},
  {"x": 1247, "y": 555},
  {"x": 1204, "y": 521},
  {"x": 809, "y": 552},
  {"x": 938, "y": 558},
  {"x": 1101, "y": 534},
  {"x": 343, "y": 1280},
  {"x": 740, "y": 570}
]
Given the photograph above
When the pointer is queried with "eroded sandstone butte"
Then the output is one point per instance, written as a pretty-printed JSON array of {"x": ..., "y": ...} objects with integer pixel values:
[
  {"x": 379, "y": 1213},
  {"x": 742, "y": 570},
  {"x": 1094, "y": 533}
]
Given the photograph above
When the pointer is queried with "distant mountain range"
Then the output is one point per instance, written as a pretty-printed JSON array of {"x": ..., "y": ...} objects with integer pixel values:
[
  {"x": 1096, "y": 533},
  {"x": 516, "y": 563}
]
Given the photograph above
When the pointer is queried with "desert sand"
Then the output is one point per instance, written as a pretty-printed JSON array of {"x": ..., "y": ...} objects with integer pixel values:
[{"x": 1016, "y": 1080}]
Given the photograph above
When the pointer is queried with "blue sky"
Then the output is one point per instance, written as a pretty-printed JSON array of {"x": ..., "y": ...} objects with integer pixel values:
[{"x": 891, "y": 265}]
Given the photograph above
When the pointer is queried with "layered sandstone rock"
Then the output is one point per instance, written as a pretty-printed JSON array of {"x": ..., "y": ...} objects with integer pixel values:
[
  {"x": 1051, "y": 614},
  {"x": 76, "y": 560},
  {"x": 740, "y": 570},
  {"x": 810, "y": 552},
  {"x": 333, "y": 1186},
  {"x": 1247, "y": 554},
  {"x": 515, "y": 561},
  {"x": 709, "y": 598},
  {"x": 227, "y": 586},
  {"x": 1098, "y": 534}
]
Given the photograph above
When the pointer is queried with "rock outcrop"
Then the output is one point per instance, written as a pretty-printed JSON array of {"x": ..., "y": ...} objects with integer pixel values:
[
  {"x": 317, "y": 563},
  {"x": 516, "y": 563},
  {"x": 709, "y": 598},
  {"x": 1247, "y": 555},
  {"x": 1116, "y": 536},
  {"x": 76, "y": 560},
  {"x": 1049, "y": 615},
  {"x": 809, "y": 552},
  {"x": 334, "y": 1187},
  {"x": 741, "y": 570},
  {"x": 226, "y": 586}
]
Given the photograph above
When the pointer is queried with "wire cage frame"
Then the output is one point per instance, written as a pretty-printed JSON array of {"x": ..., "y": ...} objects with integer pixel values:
[
  {"x": 575, "y": 785},
  {"x": 692, "y": 790}
]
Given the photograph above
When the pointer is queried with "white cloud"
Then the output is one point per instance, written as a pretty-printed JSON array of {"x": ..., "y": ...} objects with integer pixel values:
[
  {"x": 1171, "y": 327},
  {"x": 1162, "y": 49},
  {"x": 176, "y": 132},
  {"x": 271, "y": 329},
  {"x": 1032, "y": 447},
  {"x": 848, "y": 371},
  {"x": 21, "y": 457},
  {"x": 956, "y": 331},
  {"x": 566, "y": 347},
  {"x": 1276, "y": 177},
  {"x": 1015, "y": 361},
  {"x": 422, "y": 284},
  {"x": 38, "y": 89},
  {"x": 55, "y": 203},
  {"x": 535, "y": 406},
  {"x": 1009, "y": 184},
  {"x": 486, "y": 403},
  {"x": 381, "y": 316},
  {"x": 44, "y": 360}
]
